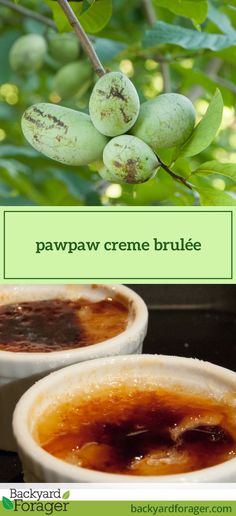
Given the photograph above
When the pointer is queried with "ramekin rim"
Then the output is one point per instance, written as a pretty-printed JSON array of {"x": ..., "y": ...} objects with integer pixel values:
[
  {"x": 52, "y": 463},
  {"x": 136, "y": 325}
]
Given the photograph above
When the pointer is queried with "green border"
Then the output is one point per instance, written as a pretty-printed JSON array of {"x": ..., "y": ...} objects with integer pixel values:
[{"x": 115, "y": 211}]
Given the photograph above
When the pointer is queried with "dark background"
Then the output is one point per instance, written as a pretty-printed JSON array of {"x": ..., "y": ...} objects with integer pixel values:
[{"x": 192, "y": 321}]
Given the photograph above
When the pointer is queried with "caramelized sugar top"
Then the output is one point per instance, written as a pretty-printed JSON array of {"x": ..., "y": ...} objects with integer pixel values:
[
  {"x": 57, "y": 324},
  {"x": 131, "y": 431}
]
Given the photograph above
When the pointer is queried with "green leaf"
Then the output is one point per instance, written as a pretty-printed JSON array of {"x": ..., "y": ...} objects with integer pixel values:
[
  {"x": 7, "y": 504},
  {"x": 230, "y": 2},
  {"x": 214, "y": 167},
  {"x": 220, "y": 19},
  {"x": 13, "y": 150},
  {"x": 93, "y": 19},
  {"x": 194, "y": 9},
  {"x": 97, "y": 16},
  {"x": 66, "y": 495},
  {"x": 86, "y": 5},
  {"x": 13, "y": 174},
  {"x": 206, "y": 130},
  {"x": 213, "y": 197},
  {"x": 209, "y": 84},
  {"x": 163, "y": 32},
  {"x": 107, "y": 49},
  {"x": 60, "y": 18}
]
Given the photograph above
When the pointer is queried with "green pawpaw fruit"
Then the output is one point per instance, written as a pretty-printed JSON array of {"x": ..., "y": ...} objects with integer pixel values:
[
  {"x": 64, "y": 48},
  {"x": 63, "y": 134},
  {"x": 27, "y": 53},
  {"x": 166, "y": 121},
  {"x": 114, "y": 104},
  {"x": 128, "y": 160},
  {"x": 71, "y": 77}
]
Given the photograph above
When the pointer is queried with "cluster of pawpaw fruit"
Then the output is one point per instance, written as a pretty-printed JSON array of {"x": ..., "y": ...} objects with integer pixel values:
[
  {"x": 118, "y": 130},
  {"x": 29, "y": 53}
]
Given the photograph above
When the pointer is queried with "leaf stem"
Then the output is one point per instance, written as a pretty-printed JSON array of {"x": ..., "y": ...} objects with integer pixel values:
[
  {"x": 28, "y": 13},
  {"x": 178, "y": 178},
  {"x": 84, "y": 40}
]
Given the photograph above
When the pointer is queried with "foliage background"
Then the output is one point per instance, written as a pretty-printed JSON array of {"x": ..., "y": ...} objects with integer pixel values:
[{"x": 156, "y": 59}]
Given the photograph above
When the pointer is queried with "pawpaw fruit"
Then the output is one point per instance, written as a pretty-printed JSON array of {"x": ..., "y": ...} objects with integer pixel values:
[
  {"x": 63, "y": 134},
  {"x": 28, "y": 52}
]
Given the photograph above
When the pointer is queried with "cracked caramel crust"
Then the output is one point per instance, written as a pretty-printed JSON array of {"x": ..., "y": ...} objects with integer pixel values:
[
  {"x": 139, "y": 430},
  {"x": 58, "y": 324}
]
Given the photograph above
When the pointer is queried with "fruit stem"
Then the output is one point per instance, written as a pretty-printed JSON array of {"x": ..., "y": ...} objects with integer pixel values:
[
  {"x": 180, "y": 179},
  {"x": 28, "y": 13},
  {"x": 84, "y": 40}
]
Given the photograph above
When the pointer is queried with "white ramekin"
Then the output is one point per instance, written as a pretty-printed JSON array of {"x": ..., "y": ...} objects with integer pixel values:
[
  {"x": 192, "y": 374},
  {"x": 18, "y": 371}
]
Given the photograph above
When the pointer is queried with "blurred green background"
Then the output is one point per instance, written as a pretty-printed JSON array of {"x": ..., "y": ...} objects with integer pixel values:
[{"x": 122, "y": 43}]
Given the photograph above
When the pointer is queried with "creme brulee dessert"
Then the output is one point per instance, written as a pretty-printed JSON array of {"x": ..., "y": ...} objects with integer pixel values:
[
  {"x": 133, "y": 430},
  {"x": 60, "y": 324}
]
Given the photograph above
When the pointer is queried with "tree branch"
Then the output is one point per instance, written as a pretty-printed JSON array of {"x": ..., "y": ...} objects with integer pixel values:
[
  {"x": 150, "y": 12},
  {"x": 84, "y": 40},
  {"x": 165, "y": 71},
  {"x": 28, "y": 13},
  {"x": 178, "y": 178}
]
